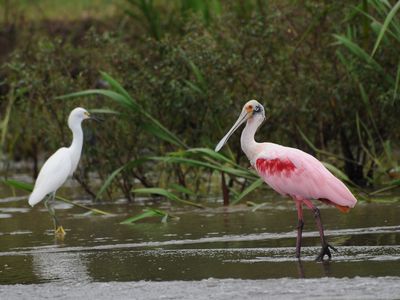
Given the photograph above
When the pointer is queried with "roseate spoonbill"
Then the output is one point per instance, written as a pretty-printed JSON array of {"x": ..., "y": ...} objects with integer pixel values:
[
  {"x": 60, "y": 166},
  {"x": 291, "y": 172}
]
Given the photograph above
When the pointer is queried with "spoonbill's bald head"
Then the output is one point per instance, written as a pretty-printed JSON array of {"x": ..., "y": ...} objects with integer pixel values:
[{"x": 252, "y": 110}]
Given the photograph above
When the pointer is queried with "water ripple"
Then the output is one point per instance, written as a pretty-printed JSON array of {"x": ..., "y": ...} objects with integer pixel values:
[{"x": 208, "y": 240}]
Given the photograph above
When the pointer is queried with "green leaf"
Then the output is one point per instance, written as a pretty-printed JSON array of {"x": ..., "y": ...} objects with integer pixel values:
[
  {"x": 391, "y": 185},
  {"x": 158, "y": 131},
  {"x": 248, "y": 190},
  {"x": 212, "y": 154},
  {"x": 148, "y": 213},
  {"x": 194, "y": 87},
  {"x": 108, "y": 181},
  {"x": 396, "y": 85},
  {"x": 167, "y": 194},
  {"x": 255, "y": 206},
  {"x": 123, "y": 98},
  {"x": 181, "y": 189},
  {"x": 115, "y": 85},
  {"x": 19, "y": 185},
  {"x": 363, "y": 55},
  {"x": 336, "y": 172},
  {"x": 29, "y": 188},
  {"x": 104, "y": 111},
  {"x": 323, "y": 152},
  {"x": 385, "y": 26},
  {"x": 198, "y": 163},
  {"x": 115, "y": 173},
  {"x": 120, "y": 99}
]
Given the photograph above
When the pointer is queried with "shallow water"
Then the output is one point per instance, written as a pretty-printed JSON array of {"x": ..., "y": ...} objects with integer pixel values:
[{"x": 230, "y": 252}]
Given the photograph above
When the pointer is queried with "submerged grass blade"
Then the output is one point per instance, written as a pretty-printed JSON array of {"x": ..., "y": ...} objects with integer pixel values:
[
  {"x": 29, "y": 187},
  {"x": 148, "y": 213},
  {"x": 254, "y": 205},
  {"x": 167, "y": 194}
]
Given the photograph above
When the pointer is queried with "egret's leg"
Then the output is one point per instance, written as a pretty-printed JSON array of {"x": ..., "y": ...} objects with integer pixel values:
[
  {"x": 59, "y": 230},
  {"x": 50, "y": 209},
  {"x": 300, "y": 225},
  {"x": 325, "y": 246}
]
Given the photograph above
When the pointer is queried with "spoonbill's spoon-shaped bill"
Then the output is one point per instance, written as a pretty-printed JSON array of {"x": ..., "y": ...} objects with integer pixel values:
[{"x": 247, "y": 112}]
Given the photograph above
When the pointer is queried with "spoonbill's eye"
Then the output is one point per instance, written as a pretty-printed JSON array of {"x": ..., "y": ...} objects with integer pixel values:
[{"x": 257, "y": 108}]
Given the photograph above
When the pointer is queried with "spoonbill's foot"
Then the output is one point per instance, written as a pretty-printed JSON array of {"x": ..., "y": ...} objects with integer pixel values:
[
  {"x": 59, "y": 232},
  {"x": 325, "y": 251}
]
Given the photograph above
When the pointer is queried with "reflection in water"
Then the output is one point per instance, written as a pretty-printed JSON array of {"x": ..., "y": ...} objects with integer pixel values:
[
  {"x": 326, "y": 265},
  {"x": 300, "y": 269},
  {"x": 233, "y": 242},
  {"x": 65, "y": 267}
]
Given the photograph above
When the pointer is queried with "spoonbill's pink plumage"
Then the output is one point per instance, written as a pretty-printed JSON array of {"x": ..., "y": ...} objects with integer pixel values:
[{"x": 291, "y": 172}]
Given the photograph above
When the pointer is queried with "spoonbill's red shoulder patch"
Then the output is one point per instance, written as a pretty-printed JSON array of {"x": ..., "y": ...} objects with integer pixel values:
[{"x": 275, "y": 166}]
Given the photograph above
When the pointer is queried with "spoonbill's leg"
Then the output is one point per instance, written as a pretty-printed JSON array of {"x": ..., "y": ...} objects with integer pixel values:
[
  {"x": 300, "y": 225},
  {"x": 48, "y": 203},
  {"x": 325, "y": 246}
]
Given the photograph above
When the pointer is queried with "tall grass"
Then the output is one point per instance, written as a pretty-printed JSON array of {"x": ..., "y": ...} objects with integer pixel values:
[
  {"x": 186, "y": 161},
  {"x": 5, "y": 121},
  {"x": 368, "y": 53}
]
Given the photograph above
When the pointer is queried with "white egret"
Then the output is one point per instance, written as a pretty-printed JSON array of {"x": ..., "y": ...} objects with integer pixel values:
[{"x": 59, "y": 167}]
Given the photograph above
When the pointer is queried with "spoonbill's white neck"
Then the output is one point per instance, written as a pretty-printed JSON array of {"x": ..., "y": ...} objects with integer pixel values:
[{"x": 247, "y": 142}]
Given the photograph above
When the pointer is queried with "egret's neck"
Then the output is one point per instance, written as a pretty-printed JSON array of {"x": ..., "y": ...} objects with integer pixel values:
[
  {"x": 247, "y": 142},
  {"x": 76, "y": 145}
]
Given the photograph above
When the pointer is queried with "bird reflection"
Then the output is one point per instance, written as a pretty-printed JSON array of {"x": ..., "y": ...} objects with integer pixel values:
[
  {"x": 60, "y": 266},
  {"x": 326, "y": 268}
]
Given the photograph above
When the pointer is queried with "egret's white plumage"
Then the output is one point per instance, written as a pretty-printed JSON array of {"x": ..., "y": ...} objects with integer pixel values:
[
  {"x": 63, "y": 162},
  {"x": 53, "y": 174}
]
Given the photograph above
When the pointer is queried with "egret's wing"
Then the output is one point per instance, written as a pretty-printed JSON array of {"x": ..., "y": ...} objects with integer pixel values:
[
  {"x": 293, "y": 172},
  {"x": 53, "y": 174}
]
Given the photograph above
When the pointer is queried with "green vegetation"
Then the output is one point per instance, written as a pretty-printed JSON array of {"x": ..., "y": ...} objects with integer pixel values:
[
  {"x": 29, "y": 187},
  {"x": 149, "y": 213},
  {"x": 172, "y": 76}
]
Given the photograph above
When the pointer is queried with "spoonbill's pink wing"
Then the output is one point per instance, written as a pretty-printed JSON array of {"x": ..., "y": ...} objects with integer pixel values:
[{"x": 292, "y": 172}]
